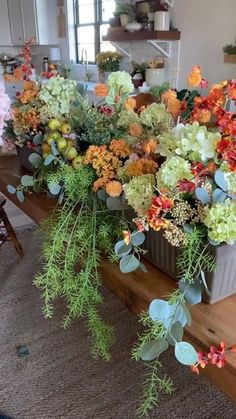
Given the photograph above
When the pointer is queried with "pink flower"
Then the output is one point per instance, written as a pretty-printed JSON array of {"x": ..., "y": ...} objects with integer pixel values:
[{"x": 203, "y": 83}]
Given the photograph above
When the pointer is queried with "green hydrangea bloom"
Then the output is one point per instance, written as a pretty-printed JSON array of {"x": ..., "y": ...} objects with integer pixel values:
[
  {"x": 57, "y": 94},
  {"x": 139, "y": 193},
  {"x": 156, "y": 116},
  {"x": 171, "y": 171},
  {"x": 221, "y": 221},
  {"x": 230, "y": 178},
  {"x": 121, "y": 82},
  {"x": 191, "y": 141},
  {"x": 127, "y": 117}
]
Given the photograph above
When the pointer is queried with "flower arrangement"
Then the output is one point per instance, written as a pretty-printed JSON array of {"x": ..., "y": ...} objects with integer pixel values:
[
  {"x": 172, "y": 163},
  {"x": 108, "y": 61}
]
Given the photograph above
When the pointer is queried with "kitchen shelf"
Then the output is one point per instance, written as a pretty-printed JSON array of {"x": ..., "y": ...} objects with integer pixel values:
[{"x": 142, "y": 36}]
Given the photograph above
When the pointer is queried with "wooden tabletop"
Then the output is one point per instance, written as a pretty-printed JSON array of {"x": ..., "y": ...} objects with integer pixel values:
[{"x": 210, "y": 323}]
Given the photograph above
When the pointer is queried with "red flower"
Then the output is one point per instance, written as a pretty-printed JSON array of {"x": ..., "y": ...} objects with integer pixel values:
[
  {"x": 216, "y": 356},
  {"x": 227, "y": 149},
  {"x": 231, "y": 87},
  {"x": 186, "y": 186}
]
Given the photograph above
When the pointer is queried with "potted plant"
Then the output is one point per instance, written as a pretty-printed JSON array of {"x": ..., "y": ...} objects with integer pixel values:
[
  {"x": 155, "y": 72},
  {"x": 138, "y": 73},
  {"x": 125, "y": 11},
  {"x": 230, "y": 53},
  {"x": 108, "y": 62}
]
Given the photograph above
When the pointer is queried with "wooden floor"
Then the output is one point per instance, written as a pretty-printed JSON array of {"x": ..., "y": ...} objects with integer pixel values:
[{"x": 210, "y": 324}]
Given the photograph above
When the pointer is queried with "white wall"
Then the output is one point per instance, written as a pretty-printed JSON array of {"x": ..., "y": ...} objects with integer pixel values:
[{"x": 206, "y": 26}]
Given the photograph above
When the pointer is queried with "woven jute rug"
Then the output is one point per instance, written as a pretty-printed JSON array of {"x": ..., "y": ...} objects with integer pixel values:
[{"x": 47, "y": 372}]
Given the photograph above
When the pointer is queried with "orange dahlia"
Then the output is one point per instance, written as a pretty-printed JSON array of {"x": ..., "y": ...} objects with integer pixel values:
[{"x": 114, "y": 188}]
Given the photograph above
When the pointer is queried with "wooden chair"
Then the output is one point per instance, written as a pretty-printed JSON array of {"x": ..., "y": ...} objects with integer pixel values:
[{"x": 6, "y": 229}]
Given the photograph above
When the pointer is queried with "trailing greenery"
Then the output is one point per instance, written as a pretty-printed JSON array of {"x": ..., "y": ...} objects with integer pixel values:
[
  {"x": 74, "y": 238},
  {"x": 195, "y": 256}
]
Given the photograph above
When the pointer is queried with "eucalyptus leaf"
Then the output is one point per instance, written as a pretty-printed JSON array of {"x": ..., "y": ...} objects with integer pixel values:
[
  {"x": 117, "y": 204},
  {"x": 202, "y": 195},
  {"x": 27, "y": 180},
  {"x": 38, "y": 139},
  {"x": 218, "y": 195},
  {"x": 20, "y": 196},
  {"x": 54, "y": 149},
  {"x": 143, "y": 267},
  {"x": 122, "y": 249},
  {"x": 192, "y": 292},
  {"x": 61, "y": 197},
  {"x": 213, "y": 242},
  {"x": 153, "y": 349},
  {"x": 49, "y": 159},
  {"x": 35, "y": 159},
  {"x": 54, "y": 188},
  {"x": 25, "y": 137},
  {"x": 220, "y": 180},
  {"x": 109, "y": 100},
  {"x": 159, "y": 310},
  {"x": 102, "y": 195},
  {"x": 129, "y": 264},
  {"x": 187, "y": 314},
  {"x": 11, "y": 189},
  {"x": 137, "y": 238},
  {"x": 175, "y": 333},
  {"x": 185, "y": 353},
  {"x": 187, "y": 228}
]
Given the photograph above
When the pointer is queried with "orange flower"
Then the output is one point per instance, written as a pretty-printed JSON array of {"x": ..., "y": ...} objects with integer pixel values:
[
  {"x": 201, "y": 115},
  {"x": 172, "y": 103},
  {"x": 140, "y": 167},
  {"x": 114, "y": 188},
  {"x": 195, "y": 77},
  {"x": 120, "y": 148},
  {"x": 99, "y": 183},
  {"x": 135, "y": 129},
  {"x": 18, "y": 73},
  {"x": 101, "y": 90},
  {"x": 130, "y": 103},
  {"x": 150, "y": 146},
  {"x": 127, "y": 237}
]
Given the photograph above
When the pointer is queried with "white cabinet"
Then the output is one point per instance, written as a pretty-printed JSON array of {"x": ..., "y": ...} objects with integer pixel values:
[
  {"x": 33, "y": 19},
  {"x": 5, "y": 33}
]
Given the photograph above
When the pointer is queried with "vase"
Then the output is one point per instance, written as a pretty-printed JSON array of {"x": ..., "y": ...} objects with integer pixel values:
[
  {"x": 162, "y": 21},
  {"x": 23, "y": 154},
  {"x": 221, "y": 283},
  {"x": 124, "y": 20},
  {"x": 155, "y": 76}
]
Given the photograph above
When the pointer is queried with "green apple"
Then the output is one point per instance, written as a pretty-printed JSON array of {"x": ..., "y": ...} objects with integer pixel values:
[
  {"x": 77, "y": 162},
  {"x": 54, "y": 124},
  {"x": 65, "y": 128},
  {"x": 61, "y": 143},
  {"x": 49, "y": 139},
  {"x": 70, "y": 153},
  {"x": 56, "y": 135}
]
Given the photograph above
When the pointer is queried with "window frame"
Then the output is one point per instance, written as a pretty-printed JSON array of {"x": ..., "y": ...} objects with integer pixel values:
[{"x": 98, "y": 22}]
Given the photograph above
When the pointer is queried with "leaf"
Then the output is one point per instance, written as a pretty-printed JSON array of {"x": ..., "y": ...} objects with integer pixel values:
[
  {"x": 129, "y": 264},
  {"x": 49, "y": 159},
  {"x": 218, "y": 195},
  {"x": 20, "y": 196},
  {"x": 185, "y": 353},
  {"x": 151, "y": 350},
  {"x": 61, "y": 197},
  {"x": 11, "y": 189},
  {"x": 175, "y": 334},
  {"x": 35, "y": 159},
  {"x": 102, "y": 195},
  {"x": 38, "y": 139},
  {"x": 122, "y": 249},
  {"x": 55, "y": 152},
  {"x": 220, "y": 180},
  {"x": 192, "y": 292},
  {"x": 158, "y": 310},
  {"x": 117, "y": 204},
  {"x": 54, "y": 188},
  {"x": 109, "y": 100},
  {"x": 203, "y": 279},
  {"x": 186, "y": 313},
  {"x": 143, "y": 267},
  {"x": 137, "y": 238},
  {"x": 25, "y": 137},
  {"x": 27, "y": 180},
  {"x": 187, "y": 228},
  {"x": 213, "y": 242},
  {"x": 202, "y": 195}
]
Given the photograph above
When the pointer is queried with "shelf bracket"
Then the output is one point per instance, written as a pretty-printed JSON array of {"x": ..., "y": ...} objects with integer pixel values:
[
  {"x": 170, "y": 3},
  {"x": 157, "y": 44},
  {"x": 122, "y": 50}
]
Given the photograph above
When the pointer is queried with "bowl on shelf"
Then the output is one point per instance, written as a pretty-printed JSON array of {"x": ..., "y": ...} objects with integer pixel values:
[{"x": 133, "y": 27}]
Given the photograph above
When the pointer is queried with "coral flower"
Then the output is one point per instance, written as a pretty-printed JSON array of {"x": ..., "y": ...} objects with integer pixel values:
[
  {"x": 194, "y": 79},
  {"x": 232, "y": 89},
  {"x": 114, "y": 188},
  {"x": 135, "y": 129},
  {"x": 130, "y": 103},
  {"x": 204, "y": 83},
  {"x": 101, "y": 90},
  {"x": 150, "y": 146}
]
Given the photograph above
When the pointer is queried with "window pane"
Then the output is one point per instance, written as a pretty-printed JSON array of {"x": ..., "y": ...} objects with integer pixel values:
[
  {"x": 86, "y": 11},
  {"x": 108, "y": 7},
  {"x": 86, "y": 41},
  {"x": 105, "y": 46}
]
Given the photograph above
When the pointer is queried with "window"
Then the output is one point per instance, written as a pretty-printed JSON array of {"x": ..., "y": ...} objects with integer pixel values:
[{"x": 91, "y": 24}]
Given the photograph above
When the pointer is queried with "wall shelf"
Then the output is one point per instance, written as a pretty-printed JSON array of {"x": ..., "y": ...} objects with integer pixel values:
[{"x": 122, "y": 36}]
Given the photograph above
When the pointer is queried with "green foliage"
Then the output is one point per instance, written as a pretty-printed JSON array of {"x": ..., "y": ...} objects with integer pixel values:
[
  {"x": 230, "y": 48},
  {"x": 195, "y": 256},
  {"x": 74, "y": 237}
]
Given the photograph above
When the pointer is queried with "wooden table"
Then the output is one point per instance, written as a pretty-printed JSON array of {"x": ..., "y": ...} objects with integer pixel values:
[{"x": 210, "y": 323}]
